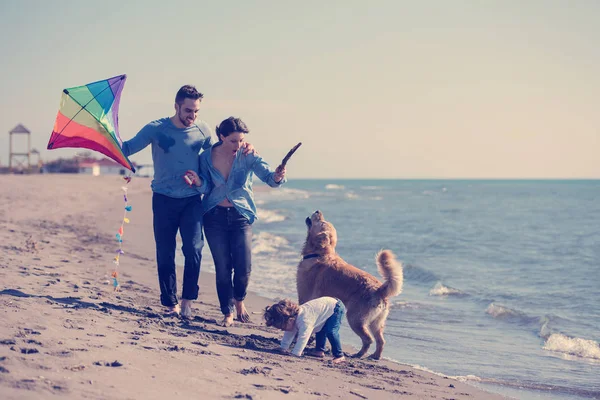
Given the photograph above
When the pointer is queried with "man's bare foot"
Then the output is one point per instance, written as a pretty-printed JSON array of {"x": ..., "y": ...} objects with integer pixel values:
[
  {"x": 339, "y": 360},
  {"x": 186, "y": 308},
  {"x": 315, "y": 353},
  {"x": 227, "y": 320},
  {"x": 242, "y": 313}
]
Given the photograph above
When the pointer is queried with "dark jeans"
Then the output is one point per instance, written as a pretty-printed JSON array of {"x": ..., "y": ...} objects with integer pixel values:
[
  {"x": 331, "y": 331},
  {"x": 229, "y": 236},
  {"x": 172, "y": 215}
]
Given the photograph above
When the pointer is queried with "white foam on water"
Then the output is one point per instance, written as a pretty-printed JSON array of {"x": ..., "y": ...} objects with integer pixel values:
[
  {"x": 579, "y": 347},
  {"x": 292, "y": 193},
  {"x": 508, "y": 314},
  {"x": 370, "y": 187},
  {"x": 268, "y": 216},
  {"x": 440, "y": 290},
  {"x": 333, "y": 186},
  {"x": 265, "y": 242}
]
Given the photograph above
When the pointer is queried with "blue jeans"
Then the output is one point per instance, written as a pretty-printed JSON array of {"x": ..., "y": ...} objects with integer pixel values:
[
  {"x": 229, "y": 236},
  {"x": 172, "y": 215},
  {"x": 331, "y": 331}
]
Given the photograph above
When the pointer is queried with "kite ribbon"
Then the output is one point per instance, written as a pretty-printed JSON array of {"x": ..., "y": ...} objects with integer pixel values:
[{"x": 119, "y": 236}]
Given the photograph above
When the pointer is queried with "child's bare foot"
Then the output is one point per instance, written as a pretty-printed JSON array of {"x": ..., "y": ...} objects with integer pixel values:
[
  {"x": 227, "y": 320},
  {"x": 315, "y": 353},
  {"x": 338, "y": 360},
  {"x": 242, "y": 313}
]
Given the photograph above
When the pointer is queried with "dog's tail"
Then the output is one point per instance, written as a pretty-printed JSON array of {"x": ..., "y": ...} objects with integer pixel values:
[{"x": 391, "y": 271}]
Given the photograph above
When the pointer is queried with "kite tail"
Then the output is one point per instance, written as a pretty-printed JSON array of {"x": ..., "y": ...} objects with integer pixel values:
[{"x": 119, "y": 236}]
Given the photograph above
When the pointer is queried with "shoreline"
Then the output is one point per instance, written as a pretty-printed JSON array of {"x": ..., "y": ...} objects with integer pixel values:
[{"x": 67, "y": 334}]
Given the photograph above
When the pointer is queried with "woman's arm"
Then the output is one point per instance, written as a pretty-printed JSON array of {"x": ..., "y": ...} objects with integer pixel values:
[{"x": 264, "y": 172}]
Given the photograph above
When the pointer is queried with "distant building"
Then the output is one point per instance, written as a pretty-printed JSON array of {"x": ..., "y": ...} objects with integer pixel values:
[{"x": 104, "y": 166}]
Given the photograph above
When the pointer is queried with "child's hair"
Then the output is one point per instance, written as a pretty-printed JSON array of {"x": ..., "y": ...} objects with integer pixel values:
[
  {"x": 230, "y": 125},
  {"x": 278, "y": 314}
]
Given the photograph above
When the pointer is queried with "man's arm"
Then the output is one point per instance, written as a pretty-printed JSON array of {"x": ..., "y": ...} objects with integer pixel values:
[{"x": 139, "y": 141}]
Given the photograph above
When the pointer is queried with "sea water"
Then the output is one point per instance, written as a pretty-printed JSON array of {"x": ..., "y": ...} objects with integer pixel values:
[{"x": 501, "y": 278}]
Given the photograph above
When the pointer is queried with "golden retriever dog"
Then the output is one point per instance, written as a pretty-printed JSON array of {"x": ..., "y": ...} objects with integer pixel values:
[{"x": 322, "y": 272}]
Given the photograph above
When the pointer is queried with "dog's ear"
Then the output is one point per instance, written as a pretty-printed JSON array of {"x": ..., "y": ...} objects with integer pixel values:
[{"x": 308, "y": 222}]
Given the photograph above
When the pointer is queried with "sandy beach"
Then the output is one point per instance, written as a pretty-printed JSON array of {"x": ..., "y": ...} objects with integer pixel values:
[{"x": 65, "y": 332}]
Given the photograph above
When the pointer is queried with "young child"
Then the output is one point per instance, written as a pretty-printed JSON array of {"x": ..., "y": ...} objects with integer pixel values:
[{"x": 323, "y": 316}]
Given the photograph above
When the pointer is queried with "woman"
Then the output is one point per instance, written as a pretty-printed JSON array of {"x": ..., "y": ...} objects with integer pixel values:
[{"x": 229, "y": 212}]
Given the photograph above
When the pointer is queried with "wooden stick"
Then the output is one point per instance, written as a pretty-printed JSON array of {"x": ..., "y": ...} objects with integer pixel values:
[{"x": 289, "y": 155}]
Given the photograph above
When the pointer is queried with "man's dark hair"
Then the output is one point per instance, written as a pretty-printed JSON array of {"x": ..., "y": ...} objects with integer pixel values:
[
  {"x": 231, "y": 125},
  {"x": 188, "y": 92}
]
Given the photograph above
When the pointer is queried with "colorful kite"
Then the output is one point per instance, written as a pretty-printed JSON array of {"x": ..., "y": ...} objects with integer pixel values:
[{"x": 88, "y": 118}]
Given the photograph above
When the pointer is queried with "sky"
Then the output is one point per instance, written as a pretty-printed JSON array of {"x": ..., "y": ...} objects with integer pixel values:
[{"x": 380, "y": 89}]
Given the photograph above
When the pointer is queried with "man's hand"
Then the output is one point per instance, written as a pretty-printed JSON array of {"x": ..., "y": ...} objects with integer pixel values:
[
  {"x": 192, "y": 178},
  {"x": 248, "y": 149}
]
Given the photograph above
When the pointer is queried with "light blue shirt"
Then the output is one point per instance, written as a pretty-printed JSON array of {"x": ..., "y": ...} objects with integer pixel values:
[
  {"x": 174, "y": 151},
  {"x": 238, "y": 186}
]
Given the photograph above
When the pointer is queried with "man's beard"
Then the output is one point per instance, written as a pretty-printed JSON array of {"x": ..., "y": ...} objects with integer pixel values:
[{"x": 184, "y": 121}]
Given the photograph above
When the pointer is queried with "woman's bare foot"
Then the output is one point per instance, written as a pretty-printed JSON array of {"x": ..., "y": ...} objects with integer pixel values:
[
  {"x": 339, "y": 360},
  {"x": 242, "y": 313},
  {"x": 186, "y": 309},
  {"x": 227, "y": 320}
]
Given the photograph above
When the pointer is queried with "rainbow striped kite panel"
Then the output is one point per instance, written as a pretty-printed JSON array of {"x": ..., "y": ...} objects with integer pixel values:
[{"x": 88, "y": 118}]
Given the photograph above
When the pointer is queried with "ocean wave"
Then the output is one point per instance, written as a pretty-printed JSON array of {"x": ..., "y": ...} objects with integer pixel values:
[
  {"x": 333, "y": 186},
  {"x": 501, "y": 312},
  {"x": 370, "y": 187},
  {"x": 265, "y": 242},
  {"x": 434, "y": 192},
  {"x": 579, "y": 347},
  {"x": 517, "y": 384},
  {"x": 405, "y": 305},
  {"x": 440, "y": 290},
  {"x": 351, "y": 195},
  {"x": 530, "y": 386},
  {"x": 284, "y": 193},
  {"x": 418, "y": 274},
  {"x": 268, "y": 216}
]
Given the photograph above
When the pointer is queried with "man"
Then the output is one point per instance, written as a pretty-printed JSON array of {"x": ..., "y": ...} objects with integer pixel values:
[{"x": 176, "y": 205}]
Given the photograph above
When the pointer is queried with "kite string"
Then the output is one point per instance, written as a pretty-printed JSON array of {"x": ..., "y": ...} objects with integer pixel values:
[{"x": 119, "y": 236}]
